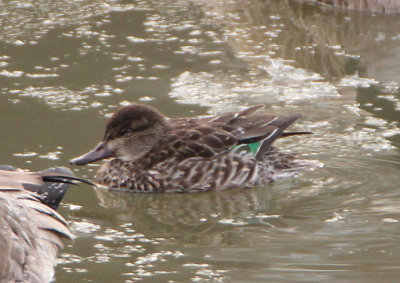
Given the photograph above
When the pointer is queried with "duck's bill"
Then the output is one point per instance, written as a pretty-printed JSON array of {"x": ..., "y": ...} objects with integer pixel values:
[{"x": 100, "y": 152}]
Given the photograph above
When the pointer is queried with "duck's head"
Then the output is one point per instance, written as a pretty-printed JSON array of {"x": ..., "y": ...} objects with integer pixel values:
[{"x": 131, "y": 132}]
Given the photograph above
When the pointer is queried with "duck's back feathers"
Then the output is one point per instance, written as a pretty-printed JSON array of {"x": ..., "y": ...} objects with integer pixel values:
[{"x": 213, "y": 135}]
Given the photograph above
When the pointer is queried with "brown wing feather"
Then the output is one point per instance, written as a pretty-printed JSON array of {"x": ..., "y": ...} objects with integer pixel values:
[
  {"x": 253, "y": 128},
  {"x": 231, "y": 117},
  {"x": 198, "y": 139},
  {"x": 208, "y": 136},
  {"x": 280, "y": 125},
  {"x": 244, "y": 126}
]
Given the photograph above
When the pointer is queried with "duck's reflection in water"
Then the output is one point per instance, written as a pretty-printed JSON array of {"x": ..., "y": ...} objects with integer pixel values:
[{"x": 198, "y": 218}]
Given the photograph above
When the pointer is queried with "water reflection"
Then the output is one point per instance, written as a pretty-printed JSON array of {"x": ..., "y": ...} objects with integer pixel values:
[
  {"x": 380, "y": 103},
  {"x": 64, "y": 66},
  {"x": 25, "y": 22},
  {"x": 204, "y": 218},
  {"x": 332, "y": 43}
]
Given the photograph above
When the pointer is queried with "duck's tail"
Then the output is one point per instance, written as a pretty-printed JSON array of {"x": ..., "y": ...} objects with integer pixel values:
[{"x": 280, "y": 125}]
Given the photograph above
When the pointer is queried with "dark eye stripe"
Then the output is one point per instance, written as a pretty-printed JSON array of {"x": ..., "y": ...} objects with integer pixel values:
[
  {"x": 129, "y": 130},
  {"x": 115, "y": 133},
  {"x": 140, "y": 128}
]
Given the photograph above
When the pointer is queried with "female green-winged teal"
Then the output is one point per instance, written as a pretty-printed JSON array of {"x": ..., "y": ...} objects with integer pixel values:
[
  {"x": 152, "y": 153},
  {"x": 31, "y": 231}
]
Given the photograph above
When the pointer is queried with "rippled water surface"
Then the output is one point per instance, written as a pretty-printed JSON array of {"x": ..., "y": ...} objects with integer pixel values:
[{"x": 66, "y": 65}]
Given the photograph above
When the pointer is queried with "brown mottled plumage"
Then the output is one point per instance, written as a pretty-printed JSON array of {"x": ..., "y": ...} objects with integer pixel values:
[{"x": 155, "y": 154}]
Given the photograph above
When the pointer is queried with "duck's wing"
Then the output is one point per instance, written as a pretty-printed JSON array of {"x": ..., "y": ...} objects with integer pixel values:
[
  {"x": 248, "y": 127},
  {"x": 208, "y": 136}
]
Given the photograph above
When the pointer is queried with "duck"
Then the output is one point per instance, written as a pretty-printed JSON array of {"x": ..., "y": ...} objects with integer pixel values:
[
  {"x": 32, "y": 231},
  {"x": 386, "y": 6},
  {"x": 147, "y": 152}
]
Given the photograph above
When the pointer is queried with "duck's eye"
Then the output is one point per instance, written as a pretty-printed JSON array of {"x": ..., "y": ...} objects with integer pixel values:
[{"x": 128, "y": 131}]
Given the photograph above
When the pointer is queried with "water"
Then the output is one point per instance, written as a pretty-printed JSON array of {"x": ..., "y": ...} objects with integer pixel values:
[{"x": 66, "y": 66}]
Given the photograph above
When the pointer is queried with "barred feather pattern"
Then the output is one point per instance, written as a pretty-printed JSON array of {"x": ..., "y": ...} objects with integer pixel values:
[
  {"x": 31, "y": 231},
  {"x": 31, "y": 236},
  {"x": 199, "y": 174}
]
